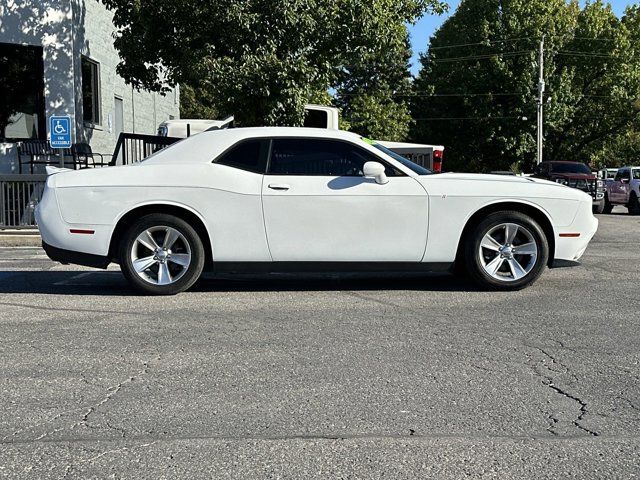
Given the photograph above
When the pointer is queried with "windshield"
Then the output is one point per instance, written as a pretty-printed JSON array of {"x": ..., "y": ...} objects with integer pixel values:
[
  {"x": 414, "y": 167},
  {"x": 570, "y": 168}
]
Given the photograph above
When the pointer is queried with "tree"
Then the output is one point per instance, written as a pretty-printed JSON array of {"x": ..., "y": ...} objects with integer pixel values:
[
  {"x": 261, "y": 60},
  {"x": 591, "y": 71},
  {"x": 372, "y": 93}
]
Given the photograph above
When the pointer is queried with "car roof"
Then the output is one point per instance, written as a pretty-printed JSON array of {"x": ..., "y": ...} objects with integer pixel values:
[{"x": 205, "y": 146}]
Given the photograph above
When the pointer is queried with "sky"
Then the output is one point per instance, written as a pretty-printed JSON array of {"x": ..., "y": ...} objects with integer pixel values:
[{"x": 421, "y": 31}]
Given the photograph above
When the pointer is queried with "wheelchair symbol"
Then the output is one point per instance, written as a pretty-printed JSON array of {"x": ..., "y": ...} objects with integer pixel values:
[{"x": 59, "y": 128}]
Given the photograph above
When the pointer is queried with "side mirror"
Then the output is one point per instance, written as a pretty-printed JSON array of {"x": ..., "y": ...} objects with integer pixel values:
[{"x": 375, "y": 170}]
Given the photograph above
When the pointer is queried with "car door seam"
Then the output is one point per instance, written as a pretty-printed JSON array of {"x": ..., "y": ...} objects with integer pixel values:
[{"x": 264, "y": 217}]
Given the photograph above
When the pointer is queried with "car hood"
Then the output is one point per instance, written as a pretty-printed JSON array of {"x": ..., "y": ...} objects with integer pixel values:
[
  {"x": 482, "y": 177},
  {"x": 498, "y": 186},
  {"x": 573, "y": 176}
]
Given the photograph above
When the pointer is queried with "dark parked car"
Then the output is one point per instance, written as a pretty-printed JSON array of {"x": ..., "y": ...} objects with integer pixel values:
[{"x": 574, "y": 175}]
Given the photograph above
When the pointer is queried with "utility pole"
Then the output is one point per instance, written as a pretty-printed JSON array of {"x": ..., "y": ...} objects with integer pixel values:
[{"x": 540, "y": 99}]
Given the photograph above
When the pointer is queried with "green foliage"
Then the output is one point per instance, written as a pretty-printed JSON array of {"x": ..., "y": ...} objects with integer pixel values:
[
  {"x": 372, "y": 93},
  {"x": 591, "y": 96},
  {"x": 260, "y": 60},
  {"x": 378, "y": 115},
  {"x": 195, "y": 102}
]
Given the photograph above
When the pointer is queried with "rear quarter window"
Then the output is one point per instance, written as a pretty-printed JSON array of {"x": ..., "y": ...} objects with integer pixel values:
[{"x": 248, "y": 155}]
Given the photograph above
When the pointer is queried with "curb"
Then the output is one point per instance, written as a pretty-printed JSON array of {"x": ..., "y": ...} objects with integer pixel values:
[{"x": 20, "y": 238}]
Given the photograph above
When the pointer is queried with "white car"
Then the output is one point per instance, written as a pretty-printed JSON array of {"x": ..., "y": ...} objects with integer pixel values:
[{"x": 273, "y": 199}]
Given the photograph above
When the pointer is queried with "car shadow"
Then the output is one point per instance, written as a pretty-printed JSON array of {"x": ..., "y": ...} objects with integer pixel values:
[{"x": 112, "y": 283}]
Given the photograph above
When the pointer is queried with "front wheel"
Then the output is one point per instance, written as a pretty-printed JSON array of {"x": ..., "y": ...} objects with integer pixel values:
[
  {"x": 608, "y": 207},
  {"x": 506, "y": 251},
  {"x": 161, "y": 255},
  {"x": 599, "y": 208}
]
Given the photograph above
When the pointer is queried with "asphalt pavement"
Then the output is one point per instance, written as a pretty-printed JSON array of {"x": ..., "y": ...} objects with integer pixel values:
[{"x": 284, "y": 376}]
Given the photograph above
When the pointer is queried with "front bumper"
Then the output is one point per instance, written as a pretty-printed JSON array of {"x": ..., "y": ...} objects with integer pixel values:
[
  {"x": 598, "y": 200},
  {"x": 571, "y": 248}
]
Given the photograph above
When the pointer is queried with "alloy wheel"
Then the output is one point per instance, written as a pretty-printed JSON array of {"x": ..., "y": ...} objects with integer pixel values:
[
  {"x": 160, "y": 255},
  {"x": 508, "y": 252}
]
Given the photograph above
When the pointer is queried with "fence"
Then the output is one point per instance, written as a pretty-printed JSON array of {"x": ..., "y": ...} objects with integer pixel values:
[
  {"x": 19, "y": 195},
  {"x": 135, "y": 147}
]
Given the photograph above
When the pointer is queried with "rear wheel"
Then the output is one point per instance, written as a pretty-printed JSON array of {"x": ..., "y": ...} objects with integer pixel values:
[
  {"x": 608, "y": 207},
  {"x": 161, "y": 255},
  {"x": 634, "y": 205},
  {"x": 506, "y": 251}
]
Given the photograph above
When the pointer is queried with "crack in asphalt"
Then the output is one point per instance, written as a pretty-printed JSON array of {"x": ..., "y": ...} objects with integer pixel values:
[
  {"x": 90, "y": 410},
  {"x": 112, "y": 391},
  {"x": 548, "y": 381},
  {"x": 68, "y": 469}
]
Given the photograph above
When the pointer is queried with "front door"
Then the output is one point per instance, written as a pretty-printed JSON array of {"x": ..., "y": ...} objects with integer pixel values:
[
  {"x": 318, "y": 206},
  {"x": 618, "y": 191}
]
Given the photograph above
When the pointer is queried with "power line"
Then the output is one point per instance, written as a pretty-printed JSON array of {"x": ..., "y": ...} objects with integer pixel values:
[
  {"x": 594, "y": 39},
  {"x": 457, "y": 95},
  {"x": 429, "y": 95},
  {"x": 434, "y": 119},
  {"x": 585, "y": 54},
  {"x": 507, "y": 40},
  {"x": 482, "y": 57},
  {"x": 488, "y": 42}
]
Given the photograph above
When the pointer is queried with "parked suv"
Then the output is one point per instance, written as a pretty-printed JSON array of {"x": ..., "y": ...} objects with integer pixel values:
[
  {"x": 574, "y": 175},
  {"x": 624, "y": 190}
]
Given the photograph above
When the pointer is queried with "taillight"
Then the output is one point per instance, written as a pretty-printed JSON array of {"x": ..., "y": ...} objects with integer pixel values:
[{"x": 437, "y": 160}]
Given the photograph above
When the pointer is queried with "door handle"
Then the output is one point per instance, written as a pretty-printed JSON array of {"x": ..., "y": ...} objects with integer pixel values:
[{"x": 279, "y": 186}]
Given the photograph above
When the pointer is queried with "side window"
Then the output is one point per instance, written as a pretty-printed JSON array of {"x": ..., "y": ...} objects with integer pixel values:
[
  {"x": 318, "y": 157},
  {"x": 620, "y": 175},
  {"x": 636, "y": 173},
  {"x": 250, "y": 155}
]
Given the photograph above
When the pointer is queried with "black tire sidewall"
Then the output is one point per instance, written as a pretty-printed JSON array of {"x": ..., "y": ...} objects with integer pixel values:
[
  {"x": 634, "y": 204},
  {"x": 475, "y": 270},
  {"x": 156, "y": 220}
]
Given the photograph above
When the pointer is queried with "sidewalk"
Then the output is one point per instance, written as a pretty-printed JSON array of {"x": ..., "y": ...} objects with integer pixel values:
[{"x": 20, "y": 238}]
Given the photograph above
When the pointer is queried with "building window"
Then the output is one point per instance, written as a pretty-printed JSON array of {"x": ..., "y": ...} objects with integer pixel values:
[
  {"x": 22, "y": 87},
  {"x": 90, "y": 91}
]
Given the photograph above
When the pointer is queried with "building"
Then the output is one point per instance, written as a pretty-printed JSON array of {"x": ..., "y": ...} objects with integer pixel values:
[{"x": 57, "y": 58}]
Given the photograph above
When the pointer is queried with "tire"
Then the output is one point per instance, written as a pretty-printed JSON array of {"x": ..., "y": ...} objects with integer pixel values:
[
  {"x": 599, "y": 208},
  {"x": 167, "y": 252},
  {"x": 498, "y": 266},
  {"x": 634, "y": 205},
  {"x": 608, "y": 207}
]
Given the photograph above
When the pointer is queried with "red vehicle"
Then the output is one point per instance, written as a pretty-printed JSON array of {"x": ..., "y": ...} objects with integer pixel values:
[{"x": 574, "y": 175}]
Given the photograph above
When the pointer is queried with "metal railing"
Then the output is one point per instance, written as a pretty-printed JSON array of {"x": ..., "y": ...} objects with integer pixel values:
[
  {"x": 135, "y": 147},
  {"x": 19, "y": 195}
]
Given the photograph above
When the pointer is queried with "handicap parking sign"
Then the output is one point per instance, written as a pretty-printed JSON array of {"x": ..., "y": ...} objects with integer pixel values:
[{"x": 60, "y": 131}]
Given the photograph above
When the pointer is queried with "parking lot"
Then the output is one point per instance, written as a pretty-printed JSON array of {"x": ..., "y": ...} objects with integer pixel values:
[{"x": 323, "y": 376}]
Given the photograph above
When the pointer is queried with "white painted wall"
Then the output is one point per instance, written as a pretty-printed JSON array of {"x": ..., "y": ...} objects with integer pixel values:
[{"x": 66, "y": 30}]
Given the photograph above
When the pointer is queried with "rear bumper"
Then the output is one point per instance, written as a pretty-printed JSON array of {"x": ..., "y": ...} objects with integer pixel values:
[{"x": 78, "y": 258}]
